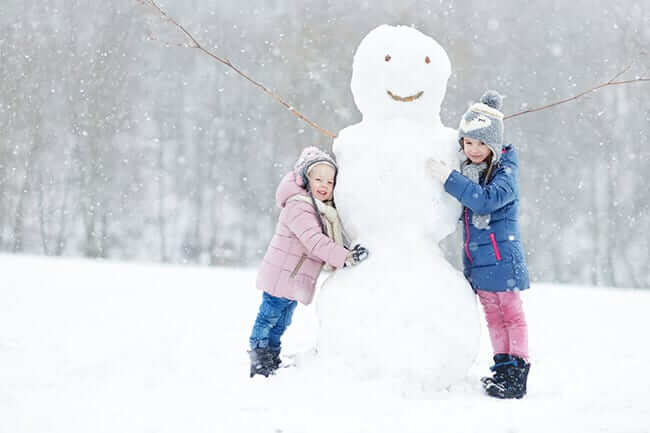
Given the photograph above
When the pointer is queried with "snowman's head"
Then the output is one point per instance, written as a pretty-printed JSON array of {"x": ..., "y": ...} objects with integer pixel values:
[{"x": 399, "y": 72}]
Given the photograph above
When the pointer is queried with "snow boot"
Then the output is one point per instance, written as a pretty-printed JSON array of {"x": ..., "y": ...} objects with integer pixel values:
[
  {"x": 501, "y": 361},
  {"x": 261, "y": 360},
  {"x": 515, "y": 377},
  {"x": 275, "y": 358}
]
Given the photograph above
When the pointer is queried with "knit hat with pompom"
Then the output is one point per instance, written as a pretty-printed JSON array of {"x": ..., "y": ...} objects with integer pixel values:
[
  {"x": 308, "y": 159},
  {"x": 484, "y": 121}
]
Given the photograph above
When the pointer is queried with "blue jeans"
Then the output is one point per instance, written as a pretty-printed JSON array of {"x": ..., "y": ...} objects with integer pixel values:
[{"x": 272, "y": 320}]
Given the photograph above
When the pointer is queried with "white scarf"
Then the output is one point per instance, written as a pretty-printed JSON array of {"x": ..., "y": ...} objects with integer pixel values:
[{"x": 329, "y": 216}]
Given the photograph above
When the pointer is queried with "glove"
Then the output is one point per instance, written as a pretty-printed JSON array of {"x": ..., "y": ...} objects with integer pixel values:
[
  {"x": 438, "y": 169},
  {"x": 356, "y": 255}
]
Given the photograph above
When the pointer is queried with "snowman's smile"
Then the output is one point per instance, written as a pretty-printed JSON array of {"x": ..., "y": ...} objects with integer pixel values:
[{"x": 404, "y": 98}]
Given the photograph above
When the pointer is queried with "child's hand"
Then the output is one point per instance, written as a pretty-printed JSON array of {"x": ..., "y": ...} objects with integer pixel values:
[
  {"x": 438, "y": 169},
  {"x": 356, "y": 255}
]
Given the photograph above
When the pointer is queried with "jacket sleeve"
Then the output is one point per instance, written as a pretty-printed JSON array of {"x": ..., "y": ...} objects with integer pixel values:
[
  {"x": 303, "y": 222},
  {"x": 483, "y": 200}
]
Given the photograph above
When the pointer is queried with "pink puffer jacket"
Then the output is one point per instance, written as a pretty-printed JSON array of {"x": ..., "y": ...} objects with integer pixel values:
[{"x": 298, "y": 249}]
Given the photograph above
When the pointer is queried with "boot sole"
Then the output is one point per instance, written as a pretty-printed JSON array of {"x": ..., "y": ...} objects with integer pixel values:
[{"x": 496, "y": 391}]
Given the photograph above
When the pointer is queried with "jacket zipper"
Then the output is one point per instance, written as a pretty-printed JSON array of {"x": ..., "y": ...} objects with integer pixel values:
[
  {"x": 495, "y": 246},
  {"x": 300, "y": 262},
  {"x": 467, "y": 236}
]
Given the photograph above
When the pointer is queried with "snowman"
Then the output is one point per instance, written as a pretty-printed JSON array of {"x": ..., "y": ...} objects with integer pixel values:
[{"x": 404, "y": 315}]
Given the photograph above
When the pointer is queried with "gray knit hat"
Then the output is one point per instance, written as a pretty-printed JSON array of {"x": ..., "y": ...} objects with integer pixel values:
[
  {"x": 484, "y": 121},
  {"x": 308, "y": 159}
]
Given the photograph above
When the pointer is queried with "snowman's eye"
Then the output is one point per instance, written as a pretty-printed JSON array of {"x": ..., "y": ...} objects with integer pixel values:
[
  {"x": 427, "y": 60},
  {"x": 387, "y": 58}
]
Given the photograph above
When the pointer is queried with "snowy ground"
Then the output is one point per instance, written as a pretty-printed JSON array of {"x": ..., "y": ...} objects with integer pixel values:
[{"x": 94, "y": 347}]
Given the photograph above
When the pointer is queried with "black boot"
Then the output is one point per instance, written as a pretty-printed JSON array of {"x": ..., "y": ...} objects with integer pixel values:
[
  {"x": 501, "y": 361},
  {"x": 515, "y": 380},
  {"x": 260, "y": 361},
  {"x": 275, "y": 358}
]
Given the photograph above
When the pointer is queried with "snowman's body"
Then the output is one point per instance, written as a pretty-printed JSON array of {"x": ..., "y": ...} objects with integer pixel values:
[{"x": 405, "y": 314}]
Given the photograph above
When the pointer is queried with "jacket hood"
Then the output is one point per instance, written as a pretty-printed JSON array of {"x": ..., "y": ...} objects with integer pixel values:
[{"x": 287, "y": 188}]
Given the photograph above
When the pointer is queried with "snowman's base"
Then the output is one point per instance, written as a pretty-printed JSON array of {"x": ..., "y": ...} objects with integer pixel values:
[{"x": 414, "y": 323}]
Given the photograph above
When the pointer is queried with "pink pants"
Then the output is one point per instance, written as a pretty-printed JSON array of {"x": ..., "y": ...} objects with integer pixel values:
[{"x": 506, "y": 322}]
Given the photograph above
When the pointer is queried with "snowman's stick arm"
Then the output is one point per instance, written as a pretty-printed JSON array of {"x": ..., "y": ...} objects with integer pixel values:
[
  {"x": 611, "y": 82},
  {"x": 195, "y": 44}
]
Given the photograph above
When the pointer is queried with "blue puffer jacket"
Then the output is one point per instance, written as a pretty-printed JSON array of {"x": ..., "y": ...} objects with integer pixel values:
[{"x": 493, "y": 257}]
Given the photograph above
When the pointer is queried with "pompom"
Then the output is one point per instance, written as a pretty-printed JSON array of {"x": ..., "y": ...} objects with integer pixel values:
[{"x": 493, "y": 99}]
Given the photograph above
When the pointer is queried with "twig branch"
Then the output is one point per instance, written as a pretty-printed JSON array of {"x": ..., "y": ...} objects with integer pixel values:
[
  {"x": 621, "y": 73},
  {"x": 195, "y": 44},
  {"x": 611, "y": 82}
]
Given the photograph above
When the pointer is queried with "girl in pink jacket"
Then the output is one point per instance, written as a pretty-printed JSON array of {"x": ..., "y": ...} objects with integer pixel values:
[{"x": 308, "y": 235}]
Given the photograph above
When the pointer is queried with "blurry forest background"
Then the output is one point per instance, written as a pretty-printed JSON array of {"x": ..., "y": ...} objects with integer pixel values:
[{"x": 115, "y": 146}]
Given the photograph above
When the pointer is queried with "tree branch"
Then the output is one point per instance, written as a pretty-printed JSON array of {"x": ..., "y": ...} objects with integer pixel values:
[
  {"x": 195, "y": 44},
  {"x": 611, "y": 82}
]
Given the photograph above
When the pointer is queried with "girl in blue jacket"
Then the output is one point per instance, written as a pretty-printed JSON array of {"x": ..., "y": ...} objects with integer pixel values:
[{"x": 493, "y": 257}]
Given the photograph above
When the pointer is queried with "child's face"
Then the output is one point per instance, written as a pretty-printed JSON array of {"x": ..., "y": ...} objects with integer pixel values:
[
  {"x": 321, "y": 181},
  {"x": 475, "y": 150}
]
